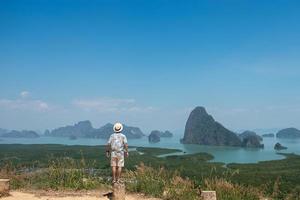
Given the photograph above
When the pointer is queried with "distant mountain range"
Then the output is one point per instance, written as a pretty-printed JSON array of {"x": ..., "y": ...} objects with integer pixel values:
[
  {"x": 18, "y": 134},
  {"x": 201, "y": 128},
  {"x": 86, "y": 130}
]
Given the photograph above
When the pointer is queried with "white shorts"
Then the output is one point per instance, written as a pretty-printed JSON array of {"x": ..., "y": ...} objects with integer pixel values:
[{"x": 117, "y": 159}]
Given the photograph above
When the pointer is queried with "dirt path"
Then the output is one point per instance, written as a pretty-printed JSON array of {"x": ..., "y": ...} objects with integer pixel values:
[{"x": 43, "y": 195}]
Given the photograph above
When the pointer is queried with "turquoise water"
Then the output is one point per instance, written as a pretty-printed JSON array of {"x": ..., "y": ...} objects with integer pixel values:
[{"x": 221, "y": 154}]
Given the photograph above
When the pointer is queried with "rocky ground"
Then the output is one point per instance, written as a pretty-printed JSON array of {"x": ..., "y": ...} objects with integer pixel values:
[{"x": 51, "y": 195}]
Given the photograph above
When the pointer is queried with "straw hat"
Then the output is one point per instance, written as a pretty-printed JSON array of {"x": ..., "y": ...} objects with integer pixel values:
[{"x": 118, "y": 127}]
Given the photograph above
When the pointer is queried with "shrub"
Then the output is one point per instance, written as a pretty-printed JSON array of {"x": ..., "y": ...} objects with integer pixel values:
[
  {"x": 180, "y": 188},
  {"x": 227, "y": 190},
  {"x": 147, "y": 180}
]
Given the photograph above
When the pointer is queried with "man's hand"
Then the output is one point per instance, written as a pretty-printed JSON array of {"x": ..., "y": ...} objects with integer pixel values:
[
  {"x": 126, "y": 154},
  {"x": 107, "y": 154}
]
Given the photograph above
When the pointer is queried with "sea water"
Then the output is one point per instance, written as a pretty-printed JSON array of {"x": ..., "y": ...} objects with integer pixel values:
[{"x": 220, "y": 153}]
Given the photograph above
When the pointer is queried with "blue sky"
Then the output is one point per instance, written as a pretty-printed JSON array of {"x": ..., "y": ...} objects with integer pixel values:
[{"x": 148, "y": 63}]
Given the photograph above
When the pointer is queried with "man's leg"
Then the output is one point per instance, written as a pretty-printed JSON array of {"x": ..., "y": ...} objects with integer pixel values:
[
  {"x": 119, "y": 171},
  {"x": 114, "y": 173}
]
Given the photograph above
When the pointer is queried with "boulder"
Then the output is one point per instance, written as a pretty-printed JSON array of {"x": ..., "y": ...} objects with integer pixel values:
[{"x": 208, "y": 195}]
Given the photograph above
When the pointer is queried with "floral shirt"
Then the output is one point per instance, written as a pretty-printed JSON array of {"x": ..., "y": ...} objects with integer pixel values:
[{"x": 117, "y": 143}]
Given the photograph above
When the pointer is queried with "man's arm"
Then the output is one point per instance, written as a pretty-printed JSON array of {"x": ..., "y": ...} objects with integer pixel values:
[
  {"x": 125, "y": 146},
  {"x": 108, "y": 148},
  {"x": 126, "y": 150}
]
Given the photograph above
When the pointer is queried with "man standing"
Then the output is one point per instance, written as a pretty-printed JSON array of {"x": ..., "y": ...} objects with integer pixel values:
[{"x": 117, "y": 148}]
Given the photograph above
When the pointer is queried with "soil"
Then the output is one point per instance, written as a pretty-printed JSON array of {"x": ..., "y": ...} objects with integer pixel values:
[{"x": 67, "y": 195}]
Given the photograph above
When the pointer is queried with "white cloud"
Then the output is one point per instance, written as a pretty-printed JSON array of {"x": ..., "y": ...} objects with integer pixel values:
[
  {"x": 24, "y": 105},
  {"x": 43, "y": 105},
  {"x": 24, "y": 94},
  {"x": 106, "y": 104}
]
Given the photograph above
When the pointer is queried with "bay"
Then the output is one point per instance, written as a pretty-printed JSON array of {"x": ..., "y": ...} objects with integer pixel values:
[{"x": 220, "y": 153}]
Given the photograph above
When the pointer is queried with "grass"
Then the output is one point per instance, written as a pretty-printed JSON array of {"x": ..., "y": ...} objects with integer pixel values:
[
  {"x": 278, "y": 178},
  {"x": 160, "y": 183},
  {"x": 170, "y": 185},
  {"x": 60, "y": 173},
  {"x": 228, "y": 190}
]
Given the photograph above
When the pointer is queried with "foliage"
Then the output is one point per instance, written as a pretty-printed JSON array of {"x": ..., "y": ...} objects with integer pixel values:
[
  {"x": 61, "y": 166},
  {"x": 277, "y": 178}
]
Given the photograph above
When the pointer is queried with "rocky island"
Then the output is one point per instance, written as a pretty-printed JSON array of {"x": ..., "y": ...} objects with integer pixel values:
[
  {"x": 288, "y": 133},
  {"x": 162, "y": 134},
  {"x": 201, "y": 128},
  {"x": 279, "y": 147},
  {"x": 154, "y": 137},
  {"x": 250, "y": 139},
  {"x": 246, "y": 134},
  {"x": 166, "y": 134},
  {"x": 86, "y": 130}
]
